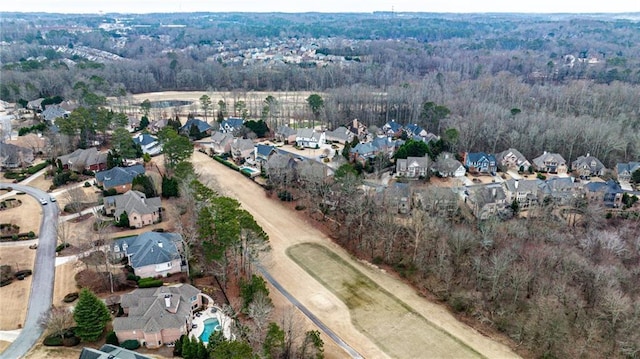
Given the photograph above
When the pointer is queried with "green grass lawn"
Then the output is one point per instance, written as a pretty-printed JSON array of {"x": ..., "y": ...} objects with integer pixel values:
[{"x": 391, "y": 324}]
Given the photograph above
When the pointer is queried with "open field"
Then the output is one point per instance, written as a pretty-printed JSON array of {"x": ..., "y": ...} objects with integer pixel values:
[
  {"x": 389, "y": 322},
  {"x": 286, "y": 229},
  {"x": 27, "y": 215}
]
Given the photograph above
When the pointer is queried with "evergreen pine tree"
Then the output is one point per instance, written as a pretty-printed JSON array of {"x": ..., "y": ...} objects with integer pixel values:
[{"x": 91, "y": 316}]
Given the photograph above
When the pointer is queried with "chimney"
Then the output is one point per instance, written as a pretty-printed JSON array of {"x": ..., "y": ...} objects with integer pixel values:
[
  {"x": 167, "y": 301},
  {"x": 515, "y": 184},
  {"x": 494, "y": 192},
  {"x": 160, "y": 244},
  {"x": 587, "y": 154}
]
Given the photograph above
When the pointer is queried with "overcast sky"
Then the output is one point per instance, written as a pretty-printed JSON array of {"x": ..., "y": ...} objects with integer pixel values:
[{"x": 145, "y": 6}]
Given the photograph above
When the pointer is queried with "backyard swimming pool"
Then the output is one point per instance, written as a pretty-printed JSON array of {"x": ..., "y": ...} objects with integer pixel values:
[{"x": 210, "y": 325}]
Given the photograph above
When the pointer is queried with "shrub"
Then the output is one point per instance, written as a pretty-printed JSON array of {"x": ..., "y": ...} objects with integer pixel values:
[
  {"x": 87, "y": 184},
  {"x": 133, "y": 277},
  {"x": 130, "y": 344},
  {"x": 149, "y": 283},
  {"x": 6, "y": 281},
  {"x": 31, "y": 234},
  {"x": 112, "y": 338},
  {"x": 53, "y": 341},
  {"x": 541, "y": 176},
  {"x": 70, "y": 297},
  {"x": 300, "y": 207},
  {"x": 71, "y": 341},
  {"x": 33, "y": 169},
  {"x": 285, "y": 196},
  {"x": 62, "y": 246},
  {"x": 23, "y": 273}
]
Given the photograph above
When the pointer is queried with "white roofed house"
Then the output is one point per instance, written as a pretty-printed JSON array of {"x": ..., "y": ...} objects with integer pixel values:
[
  {"x": 413, "y": 167},
  {"x": 310, "y": 138}
]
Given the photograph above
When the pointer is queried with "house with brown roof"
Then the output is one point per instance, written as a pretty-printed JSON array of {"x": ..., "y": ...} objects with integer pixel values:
[
  {"x": 140, "y": 210},
  {"x": 158, "y": 316},
  {"x": 84, "y": 159}
]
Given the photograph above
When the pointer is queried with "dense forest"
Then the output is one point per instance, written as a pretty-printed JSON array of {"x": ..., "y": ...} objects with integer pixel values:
[{"x": 561, "y": 83}]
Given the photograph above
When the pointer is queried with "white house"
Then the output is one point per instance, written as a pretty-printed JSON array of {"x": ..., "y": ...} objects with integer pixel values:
[{"x": 308, "y": 137}]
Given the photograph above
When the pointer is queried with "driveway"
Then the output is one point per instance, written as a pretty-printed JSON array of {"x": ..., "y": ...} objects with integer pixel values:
[{"x": 41, "y": 294}]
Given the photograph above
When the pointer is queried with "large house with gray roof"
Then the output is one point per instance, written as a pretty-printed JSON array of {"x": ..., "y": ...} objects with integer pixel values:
[
  {"x": 109, "y": 351},
  {"x": 150, "y": 254},
  {"x": 550, "y": 162},
  {"x": 512, "y": 159},
  {"x": 149, "y": 144},
  {"x": 12, "y": 156},
  {"x": 119, "y": 178},
  {"x": 157, "y": 316},
  {"x": 626, "y": 170},
  {"x": 588, "y": 166},
  {"x": 84, "y": 159},
  {"x": 140, "y": 210},
  {"x": 413, "y": 167}
]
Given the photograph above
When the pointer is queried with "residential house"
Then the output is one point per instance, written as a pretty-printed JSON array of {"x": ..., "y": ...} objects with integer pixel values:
[
  {"x": 310, "y": 172},
  {"x": 512, "y": 159},
  {"x": 561, "y": 190},
  {"x": 310, "y": 138},
  {"x": 158, "y": 316},
  {"x": 148, "y": 143},
  {"x": 626, "y": 170},
  {"x": 220, "y": 142},
  {"x": 119, "y": 178},
  {"x": 524, "y": 192},
  {"x": 195, "y": 127},
  {"x": 140, "y": 210},
  {"x": 231, "y": 125},
  {"x": 413, "y": 167},
  {"x": 447, "y": 166},
  {"x": 108, "y": 351},
  {"x": 339, "y": 135},
  {"x": 53, "y": 112},
  {"x": 261, "y": 154},
  {"x": 392, "y": 128},
  {"x": 133, "y": 124},
  {"x": 588, "y": 166},
  {"x": 607, "y": 193},
  {"x": 363, "y": 152},
  {"x": 550, "y": 162},
  {"x": 480, "y": 162},
  {"x": 241, "y": 149},
  {"x": 384, "y": 144},
  {"x": 413, "y": 130},
  {"x": 35, "y": 104},
  {"x": 12, "y": 156},
  {"x": 398, "y": 195},
  {"x": 358, "y": 129},
  {"x": 36, "y": 143},
  {"x": 84, "y": 160},
  {"x": 486, "y": 201},
  {"x": 157, "y": 125},
  {"x": 281, "y": 168},
  {"x": 150, "y": 254},
  {"x": 5, "y": 127},
  {"x": 437, "y": 201},
  {"x": 286, "y": 134}
]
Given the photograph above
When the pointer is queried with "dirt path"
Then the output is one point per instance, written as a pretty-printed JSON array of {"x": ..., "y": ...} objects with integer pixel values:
[{"x": 286, "y": 230}]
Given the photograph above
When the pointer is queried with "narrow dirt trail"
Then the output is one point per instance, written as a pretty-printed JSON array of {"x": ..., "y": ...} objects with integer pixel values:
[{"x": 286, "y": 229}]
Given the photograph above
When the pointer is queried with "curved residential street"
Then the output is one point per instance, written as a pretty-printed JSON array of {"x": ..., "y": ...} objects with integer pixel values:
[{"x": 43, "y": 275}]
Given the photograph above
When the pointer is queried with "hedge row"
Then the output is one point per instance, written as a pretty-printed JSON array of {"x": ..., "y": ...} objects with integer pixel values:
[
  {"x": 149, "y": 283},
  {"x": 226, "y": 163}
]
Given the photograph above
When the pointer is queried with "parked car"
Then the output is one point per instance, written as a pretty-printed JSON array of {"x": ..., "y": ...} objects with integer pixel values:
[
  {"x": 43, "y": 201},
  {"x": 52, "y": 199}
]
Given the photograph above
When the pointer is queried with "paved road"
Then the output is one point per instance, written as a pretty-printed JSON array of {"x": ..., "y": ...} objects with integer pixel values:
[
  {"x": 43, "y": 276},
  {"x": 330, "y": 333}
]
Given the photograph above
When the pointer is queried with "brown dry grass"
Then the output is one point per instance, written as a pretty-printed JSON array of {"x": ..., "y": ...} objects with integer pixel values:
[
  {"x": 27, "y": 215},
  {"x": 14, "y": 297},
  {"x": 4, "y": 345}
]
